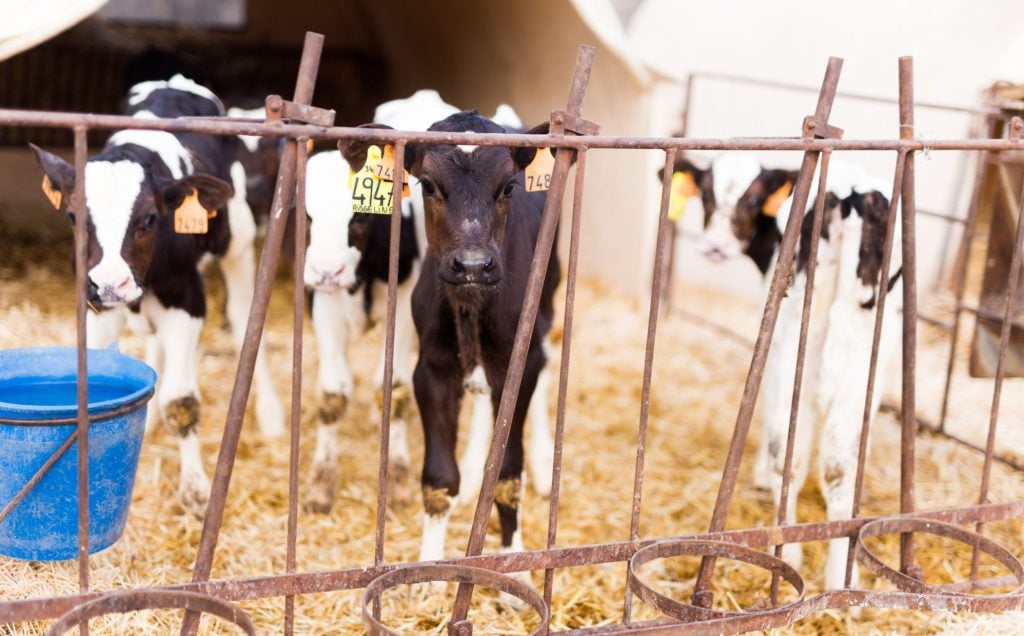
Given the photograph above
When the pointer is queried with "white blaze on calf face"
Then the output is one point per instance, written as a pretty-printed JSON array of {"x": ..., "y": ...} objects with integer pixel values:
[
  {"x": 330, "y": 260},
  {"x": 177, "y": 159},
  {"x": 731, "y": 174},
  {"x": 110, "y": 193}
]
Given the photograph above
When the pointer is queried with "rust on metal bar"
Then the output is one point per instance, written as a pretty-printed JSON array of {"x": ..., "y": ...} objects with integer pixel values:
[
  {"x": 389, "y": 368},
  {"x": 253, "y": 331},
  {"x": 883, "y": 294},
  {"x": 298, "y": 318},
  {"x": 909, "y": 402},
  {"x": 563, "y": 373},
  {"x": 135, "y": 600},
  {"x": 318, "y": 582},
  {"x": 780, "y": 279},
  {"x": 524, "y": 331},
  {"x": 801, "y": 355},
  {"x": 645, "y": 391},
  {"x": 82, "y": 431}
]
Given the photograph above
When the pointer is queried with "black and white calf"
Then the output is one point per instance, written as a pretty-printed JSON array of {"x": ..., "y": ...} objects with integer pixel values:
[
  {"x": 481, "y": 228},
  {"x": 838, "y": 351},
  {"x": 347, "y": 271},
  {"x": 141, "y": 271}
]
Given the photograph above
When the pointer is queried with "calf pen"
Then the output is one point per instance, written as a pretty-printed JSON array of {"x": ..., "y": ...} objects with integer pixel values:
[{"x": 705, "y": 611}]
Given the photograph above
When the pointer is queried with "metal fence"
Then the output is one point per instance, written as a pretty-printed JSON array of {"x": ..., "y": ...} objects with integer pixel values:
[{"x": 296, "y": 121}]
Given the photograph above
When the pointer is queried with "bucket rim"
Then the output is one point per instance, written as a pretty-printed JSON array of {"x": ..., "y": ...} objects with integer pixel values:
[{"x": 62, "y": 415}]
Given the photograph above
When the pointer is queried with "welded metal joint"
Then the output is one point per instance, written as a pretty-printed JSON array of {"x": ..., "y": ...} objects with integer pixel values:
[
  {"x": 281, "y": 110},
  {"x": 816, "y": 128}
]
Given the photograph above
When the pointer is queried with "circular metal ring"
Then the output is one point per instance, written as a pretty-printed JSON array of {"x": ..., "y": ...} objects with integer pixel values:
[
  {"x": 692, "y": 547},
  {"x": 937, "y": 528},
  {"x": 453, "y": 574},
  {"x": 133, "y": 601}
]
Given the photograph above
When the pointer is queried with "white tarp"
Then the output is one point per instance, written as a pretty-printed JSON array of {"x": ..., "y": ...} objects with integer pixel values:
[{"x": 27, "y": 23}]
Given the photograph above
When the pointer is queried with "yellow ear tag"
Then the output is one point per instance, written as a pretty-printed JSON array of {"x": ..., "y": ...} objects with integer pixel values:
[
  {"x": 683, "y": 187},
  {"x": 385, "y": 169},
  {"x": 370, "y": 193},
  {"x": 775, "y": 199},
  {"x": 54, "y": 195},
  {"x": 191, "y": 217},
  {"x": 538, "y": 173}
]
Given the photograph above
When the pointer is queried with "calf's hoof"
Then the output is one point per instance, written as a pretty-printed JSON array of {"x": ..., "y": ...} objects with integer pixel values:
[
  {"x": 321, "y": 495},
  {"x": 194, "y": 500}
]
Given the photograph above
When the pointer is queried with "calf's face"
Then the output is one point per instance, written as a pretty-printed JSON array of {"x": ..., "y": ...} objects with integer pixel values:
[
  {"x": 125, "y": 207},
  {"x": 467, "y": 196}
]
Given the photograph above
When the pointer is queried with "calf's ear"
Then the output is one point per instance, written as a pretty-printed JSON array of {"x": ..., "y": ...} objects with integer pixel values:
[
  {"x": 524, "y": 156},
  {"x": 59, "y": 179},
  {"x": 213, "y": 193},
  {"x": 354, "y": 150}
]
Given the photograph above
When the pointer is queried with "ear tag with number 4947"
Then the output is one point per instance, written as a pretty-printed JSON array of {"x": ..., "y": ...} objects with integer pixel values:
[{"x": 373, "y": 185}]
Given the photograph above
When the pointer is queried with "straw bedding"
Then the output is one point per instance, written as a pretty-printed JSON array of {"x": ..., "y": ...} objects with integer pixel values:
[{"x": 698, "y": 379}]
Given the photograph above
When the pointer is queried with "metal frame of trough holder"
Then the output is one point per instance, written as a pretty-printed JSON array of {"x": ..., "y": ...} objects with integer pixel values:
[{"x": 297, "y": 121}]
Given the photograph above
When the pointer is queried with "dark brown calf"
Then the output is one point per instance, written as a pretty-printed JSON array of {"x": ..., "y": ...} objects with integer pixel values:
[{"x": 481, "y": 227}]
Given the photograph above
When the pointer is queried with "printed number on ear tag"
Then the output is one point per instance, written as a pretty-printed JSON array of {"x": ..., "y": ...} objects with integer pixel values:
[
  {"x": 372, "y": 193},
  {"x": 538, "y": 173},
  {"x": 191, "y": 217},
  {"x": 53, "y": 194}
]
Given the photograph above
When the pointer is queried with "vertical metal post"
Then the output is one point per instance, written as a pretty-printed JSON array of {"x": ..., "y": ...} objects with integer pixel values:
[
  {"x": 670, "y": 264},
  {"x": 298, "y": 316},
  {"x": 389, "y": 361},
  {"x": 660, "y": 256},
  {"x": 283, "y": 192},
  {"x": 909, "y": 408},
  {"x": 524, "y": 331},
  {"x": 883, "y": 294},
  {"x": 780, "y": 279},
  {"x": 81, "y": 278},
  {"x": 801, "y": 354},
  {"x": 563, "y": 375}
]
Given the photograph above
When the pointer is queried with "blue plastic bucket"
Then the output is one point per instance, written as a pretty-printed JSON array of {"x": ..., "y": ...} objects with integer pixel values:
[{"x": 38, "y": 411}]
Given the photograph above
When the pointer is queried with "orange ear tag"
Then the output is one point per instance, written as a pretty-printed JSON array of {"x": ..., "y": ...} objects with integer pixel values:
[
  {"x": 385, "y": 169},
  {"x": 53, "y": 194},
  {"x": 683, "y": 187},
  {"x": 538, "y": 173},
  {"x": 775, "y": 199},
  {"x": 191, "y": 217}
]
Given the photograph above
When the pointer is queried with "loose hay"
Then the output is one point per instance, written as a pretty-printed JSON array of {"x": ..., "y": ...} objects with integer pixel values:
[{"x": 697, "y": 384}]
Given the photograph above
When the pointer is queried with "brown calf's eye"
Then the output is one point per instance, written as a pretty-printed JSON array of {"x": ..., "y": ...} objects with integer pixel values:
[
  {"x": 509, "y": 187},
  {"x": 429, "y": 189}
]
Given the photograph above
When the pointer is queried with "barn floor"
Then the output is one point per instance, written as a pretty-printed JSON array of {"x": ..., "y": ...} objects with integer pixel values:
[{"x": 698, "y": 380}]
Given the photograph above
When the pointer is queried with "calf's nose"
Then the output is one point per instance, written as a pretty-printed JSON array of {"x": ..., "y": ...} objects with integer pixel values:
[{"x": 473, "y": 266}]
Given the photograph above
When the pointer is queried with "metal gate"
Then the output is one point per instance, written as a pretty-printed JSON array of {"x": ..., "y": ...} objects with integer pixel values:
[{"x": 297, "y": 121}]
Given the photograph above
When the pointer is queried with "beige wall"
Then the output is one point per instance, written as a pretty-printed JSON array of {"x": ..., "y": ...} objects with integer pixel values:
[{"x": 522, "y": 52}]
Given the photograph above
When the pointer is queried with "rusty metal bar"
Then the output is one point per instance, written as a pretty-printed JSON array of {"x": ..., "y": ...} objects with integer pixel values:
[
  {"x": 10, "y": 117},
  {"x": 135, "y": 600},
  {"x": 563, "y": 372},
  {"x": 359, "y": 577},
  {"x": 1013, "y": 461},
  {"x": 82, "y": 431},
  {"x": 389, "y": 364},
  {"x": 524, "y": 331},
  {"x": 253, "y": 331},
  {"x": 883, "y": 294},
  {"x": 645, "y": 391},
  {"x": 298, "y": 318},
  {"x": 1009, "y": 299},
  {"x": 780, "y": 279},
  {"x": 909, "y": 402},
  {"x": 801, "y": 354},
  {"x": 990, "y": 315}
]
